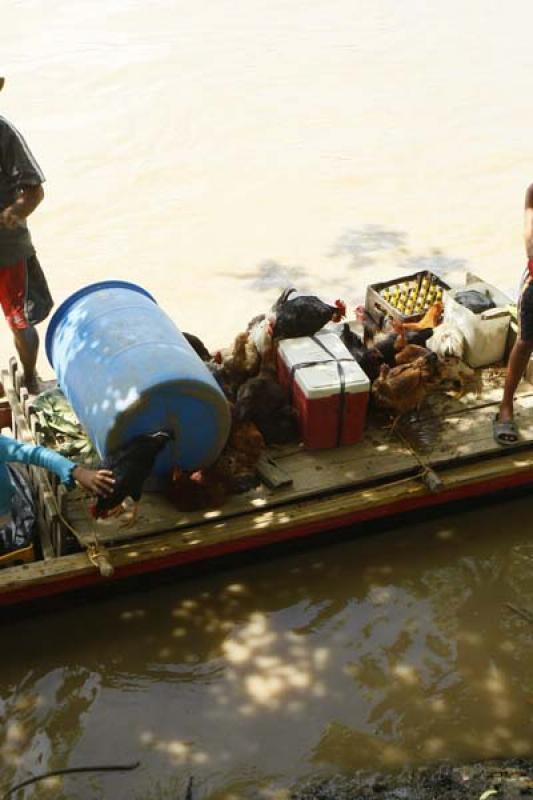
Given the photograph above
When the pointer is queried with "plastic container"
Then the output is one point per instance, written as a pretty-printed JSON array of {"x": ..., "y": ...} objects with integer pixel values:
[
  {"x": 485, "y": 334},
  {"x": 126, "y": 369},
  {"x": 405, "y": 299},
  {"x": 328, "y": 388}
]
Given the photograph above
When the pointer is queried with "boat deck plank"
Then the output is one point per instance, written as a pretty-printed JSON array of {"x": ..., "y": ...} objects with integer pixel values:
[{"x": 378, "y": 457}]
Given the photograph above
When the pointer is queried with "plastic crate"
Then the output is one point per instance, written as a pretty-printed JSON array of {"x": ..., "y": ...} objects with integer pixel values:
[{"x": 381, "y": 297}]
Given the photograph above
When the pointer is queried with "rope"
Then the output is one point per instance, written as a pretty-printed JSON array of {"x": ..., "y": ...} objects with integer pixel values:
[{"x": 427, "y": 474}]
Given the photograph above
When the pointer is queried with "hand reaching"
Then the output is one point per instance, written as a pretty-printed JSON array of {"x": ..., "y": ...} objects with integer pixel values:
[{"x": 97, "y": 481}]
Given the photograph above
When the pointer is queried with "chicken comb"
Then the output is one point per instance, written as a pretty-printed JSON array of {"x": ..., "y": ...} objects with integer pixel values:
[{"x": 341, "y": 310}]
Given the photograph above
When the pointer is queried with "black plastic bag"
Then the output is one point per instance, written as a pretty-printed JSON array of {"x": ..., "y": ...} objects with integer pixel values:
[
  {"x": 18, "y": 533},
  {"x": 475, "y": 301}
]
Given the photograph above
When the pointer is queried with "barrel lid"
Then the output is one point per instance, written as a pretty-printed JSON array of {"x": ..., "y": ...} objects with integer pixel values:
[{"x": 61, "y": 311}]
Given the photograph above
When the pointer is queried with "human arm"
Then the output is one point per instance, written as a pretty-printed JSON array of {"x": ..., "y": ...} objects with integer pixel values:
[
  {"x": 97, "y": 481},
  {"x": 22, "y": 176},
  {"x": 24, "y": 204}
]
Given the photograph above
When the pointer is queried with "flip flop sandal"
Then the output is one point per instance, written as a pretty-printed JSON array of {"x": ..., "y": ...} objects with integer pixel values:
[{"x": 505, "y": 433}]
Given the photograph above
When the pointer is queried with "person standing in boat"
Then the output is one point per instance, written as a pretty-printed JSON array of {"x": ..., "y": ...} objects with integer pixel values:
[
  {"x": 24, "y": 294},
  {"x": 505, "y": 428}
]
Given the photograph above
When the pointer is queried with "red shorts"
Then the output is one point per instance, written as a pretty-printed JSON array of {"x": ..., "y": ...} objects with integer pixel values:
[{"x": 13, "y": 286}]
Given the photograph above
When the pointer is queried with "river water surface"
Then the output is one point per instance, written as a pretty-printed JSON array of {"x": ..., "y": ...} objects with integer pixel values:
[{"x": 213, "y": 152}]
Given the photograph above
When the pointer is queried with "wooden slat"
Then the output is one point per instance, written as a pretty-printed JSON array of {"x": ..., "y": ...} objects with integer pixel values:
[
  {"x": 272, "y": 474},
  {"x": 311, "y": 472}
]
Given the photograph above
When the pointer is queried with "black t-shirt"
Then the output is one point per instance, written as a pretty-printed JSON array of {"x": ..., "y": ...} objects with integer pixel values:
[{"x": 18, "y": 168}]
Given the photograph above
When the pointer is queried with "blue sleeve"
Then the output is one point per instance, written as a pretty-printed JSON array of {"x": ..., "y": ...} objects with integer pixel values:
[{"x": 13, "y": 450}]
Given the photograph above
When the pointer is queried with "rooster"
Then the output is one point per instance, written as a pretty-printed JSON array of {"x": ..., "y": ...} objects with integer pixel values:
[
  {"x": 369, "y": 358},
  {"x": 260, "y": 332},
  {"x": 431, "y": 319},
  {"x": 195, "y": 491},
  {"x": 458, "y": 375},
  {"x": 391, "y": 343},
  {"x": 264, "y": 402},
  {"x": 302, "y": 315},
  {"x": 198, "y": 346},
  {"x": 403, "y": 389},
  {"x": 410, "y": 353},
  {"x": 448, "y": 340},
  {"x": 233, "y": 471},
  {"x": 235, "y": 467},
  {"x": 131, "y": 465},
  {"x": 242, "y": 361}
]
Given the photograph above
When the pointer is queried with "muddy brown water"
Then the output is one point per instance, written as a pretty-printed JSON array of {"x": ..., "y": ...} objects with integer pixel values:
[{"x": 401, "y": 647}]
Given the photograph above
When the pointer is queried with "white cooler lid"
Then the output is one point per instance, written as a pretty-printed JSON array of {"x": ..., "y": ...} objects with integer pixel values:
[{"x": 322, "y": 380}]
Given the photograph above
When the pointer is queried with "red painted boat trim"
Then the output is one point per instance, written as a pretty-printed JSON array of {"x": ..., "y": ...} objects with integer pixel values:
[{"x": 263, "y": 539}]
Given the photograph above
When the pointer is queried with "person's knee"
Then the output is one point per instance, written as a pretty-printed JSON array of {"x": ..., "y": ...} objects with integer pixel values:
[{"x": 26, "y": 336}]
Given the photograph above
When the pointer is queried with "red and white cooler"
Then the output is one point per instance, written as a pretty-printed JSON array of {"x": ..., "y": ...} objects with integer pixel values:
[{"x": 328, "y": 389}]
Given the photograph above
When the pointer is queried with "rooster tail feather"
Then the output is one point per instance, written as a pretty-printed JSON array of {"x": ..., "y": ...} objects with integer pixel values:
[{"x": 284, "y": 296}]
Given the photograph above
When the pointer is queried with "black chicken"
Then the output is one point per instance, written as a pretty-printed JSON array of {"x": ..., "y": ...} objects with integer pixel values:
[
  {"x": 369, "y": 358},
  {"x": 198, "y": 346},
  {"x": 302, "y": 315},
  {"x": 389, "y": 344},
  {"x": 131, "y": 466},
  {"x": 264, "y": 402}
]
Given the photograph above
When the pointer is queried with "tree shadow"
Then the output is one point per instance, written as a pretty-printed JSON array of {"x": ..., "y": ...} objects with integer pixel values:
[
  {"x": 375, "y": 251},
  {"x": 273, "y": 274},
  {"x": 362, "y": 245},
  {"x": 436, "y": 262}
]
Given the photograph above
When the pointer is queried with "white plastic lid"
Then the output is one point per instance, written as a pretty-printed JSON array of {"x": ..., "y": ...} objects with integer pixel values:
[{"x": 322, "y": 379}]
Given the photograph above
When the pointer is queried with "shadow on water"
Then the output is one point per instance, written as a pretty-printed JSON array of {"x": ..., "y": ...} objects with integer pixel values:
[
  {"x": 398, "y": 648},
  {"x": 364, "y": 244},
  {"x": 370, "y": 252}
]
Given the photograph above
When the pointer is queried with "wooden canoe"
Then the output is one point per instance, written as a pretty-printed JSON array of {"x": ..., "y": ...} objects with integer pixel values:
[{"x": 446, "y": 456}]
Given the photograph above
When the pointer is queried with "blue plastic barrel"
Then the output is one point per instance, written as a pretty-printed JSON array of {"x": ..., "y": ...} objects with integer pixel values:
[{"x": 126, "y": 369}]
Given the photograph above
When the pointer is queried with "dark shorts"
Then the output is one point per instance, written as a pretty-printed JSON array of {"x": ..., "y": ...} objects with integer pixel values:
[{"x": 24, "y": 294}]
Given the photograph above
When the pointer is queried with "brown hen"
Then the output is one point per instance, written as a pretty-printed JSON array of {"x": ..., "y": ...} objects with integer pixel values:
[
  {"x": 403, "y": 389},
  {"x": 232, "y": 472},
  {"x": 242, "y": 361},
  {"x": 410, "y": 353}
]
